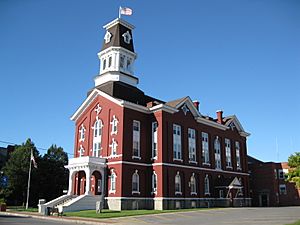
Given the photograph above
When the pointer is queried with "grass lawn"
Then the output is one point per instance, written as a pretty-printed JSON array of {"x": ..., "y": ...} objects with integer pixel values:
[
  {"x": 296, "y": 223},
  {"x": 111, "y": 214},
  {"x": 21, "y": 209}
]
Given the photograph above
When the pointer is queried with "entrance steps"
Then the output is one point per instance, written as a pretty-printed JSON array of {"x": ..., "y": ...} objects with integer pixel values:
[{"x": 70, "y": 203}]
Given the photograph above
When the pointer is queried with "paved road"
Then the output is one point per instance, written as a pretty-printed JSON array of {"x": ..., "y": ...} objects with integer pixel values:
[{"x": 227, "y": 216}]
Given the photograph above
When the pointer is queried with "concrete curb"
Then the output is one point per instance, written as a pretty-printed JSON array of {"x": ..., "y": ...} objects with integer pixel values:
[{"x": 68, "y": 220}]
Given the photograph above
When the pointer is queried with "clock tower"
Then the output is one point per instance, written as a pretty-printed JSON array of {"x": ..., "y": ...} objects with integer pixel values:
[{"x": 117, "y": 55}]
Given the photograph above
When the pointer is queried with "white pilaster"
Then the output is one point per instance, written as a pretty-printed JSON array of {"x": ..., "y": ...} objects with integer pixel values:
[
  {"x": 88, "y": 181},
  {"x": 71, "y": 181}
]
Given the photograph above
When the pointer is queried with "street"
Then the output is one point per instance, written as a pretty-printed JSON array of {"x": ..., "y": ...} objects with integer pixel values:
[{"x": 228, "y": 216}]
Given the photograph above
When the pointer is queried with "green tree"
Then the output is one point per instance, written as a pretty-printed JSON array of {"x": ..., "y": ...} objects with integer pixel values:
[
  {"x": 294, "y": 173},
  {"x": 52, "y": 173},
  {"x": 16, "y": 169}
]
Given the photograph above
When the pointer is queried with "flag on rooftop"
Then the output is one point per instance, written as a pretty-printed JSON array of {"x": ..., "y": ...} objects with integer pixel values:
[{"x": 126, "y": 11}]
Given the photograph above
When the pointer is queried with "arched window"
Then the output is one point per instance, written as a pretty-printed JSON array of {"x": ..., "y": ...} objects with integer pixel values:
[
  {"x": 217, "y": 147},
  {"x": 178, "y": 184},
  {"x": 206, "y": 185},
  {"x": 193, "y": 184},
  {"x": 113, "y": 146},
  {"x": 112, "y": 182},
  {"x": 135, "y": 182},
  {"x": 97, "y": 137},
  {"x": 154, "y": 182},
  {"x": 81, "y": 151},
  {"x": 114, "y": 125},
  {"x": 81, "y": 133}
]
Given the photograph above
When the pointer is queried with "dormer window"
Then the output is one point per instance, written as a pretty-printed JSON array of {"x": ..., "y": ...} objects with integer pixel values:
[
  {"x": 185, "y": 109},
  {"x": 107, "y": 37},
  {"x": 127, "y": 37}
]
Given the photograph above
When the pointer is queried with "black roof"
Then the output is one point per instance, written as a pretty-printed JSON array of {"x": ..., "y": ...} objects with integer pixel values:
[{"x": 117, "y": 40}]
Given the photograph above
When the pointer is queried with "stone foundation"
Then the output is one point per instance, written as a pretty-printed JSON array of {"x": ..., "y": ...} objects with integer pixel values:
[{"x": 174, "y": 203}]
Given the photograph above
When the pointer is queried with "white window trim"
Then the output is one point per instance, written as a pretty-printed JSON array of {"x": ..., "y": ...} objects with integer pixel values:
[
  {"x": 217, "y": 144},
  {"x": 139, "y": 140},
  {"x": 113, "y": 123},
  {"x": 177, "y": 138},
  {"x": 138, "y": 183},
  {"x": 81, "y": 151},
  {"x": 112, "y": 145},
  {"x": 193, "y": 192},
  {"x": 205, "y": 151},
  {"x": 111, "y": 191},
  {"x": 206, "y": 180},
  {"x": 192, "y": 144},
  {"x": 238, "y": 156},
  {"x": 228, "y": 155},
  {"x": 180, "y": 188},
  {"x": 82, "y": 133},
  {"x": 154, "y": 136},
  {"x": 98, "y": 138},
  {"x": 154, "y": 190}
]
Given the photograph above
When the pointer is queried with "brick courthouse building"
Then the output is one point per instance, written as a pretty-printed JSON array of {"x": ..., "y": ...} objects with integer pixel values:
[{"x": 135, "y": 151}]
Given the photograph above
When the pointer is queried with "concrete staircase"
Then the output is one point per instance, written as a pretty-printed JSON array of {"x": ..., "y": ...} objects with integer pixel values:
[{"x": 69, "y": 203}]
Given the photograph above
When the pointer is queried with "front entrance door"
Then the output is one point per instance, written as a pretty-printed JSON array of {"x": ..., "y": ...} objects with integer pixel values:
[{"x": 264, "y": 200}]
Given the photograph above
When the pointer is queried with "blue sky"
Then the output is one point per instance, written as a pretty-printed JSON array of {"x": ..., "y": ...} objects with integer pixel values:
[{"x": 241, "y": 56}]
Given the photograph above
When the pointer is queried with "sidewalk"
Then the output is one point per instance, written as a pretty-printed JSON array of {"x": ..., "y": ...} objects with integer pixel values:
[{"x": 63, "y": 218}]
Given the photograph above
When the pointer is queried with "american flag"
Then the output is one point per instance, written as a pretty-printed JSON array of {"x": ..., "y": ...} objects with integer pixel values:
[
  {"x": 33, "y": 160},
  {"x": 126, "y": 11}
]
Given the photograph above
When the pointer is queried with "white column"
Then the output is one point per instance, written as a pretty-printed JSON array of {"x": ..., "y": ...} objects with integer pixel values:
[
  {"x": 88, "y": 181},
  {"x": 71, "y": 182}
]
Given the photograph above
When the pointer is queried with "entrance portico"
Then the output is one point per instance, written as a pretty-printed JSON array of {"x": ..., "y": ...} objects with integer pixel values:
[{"x": 86, "y": 169}]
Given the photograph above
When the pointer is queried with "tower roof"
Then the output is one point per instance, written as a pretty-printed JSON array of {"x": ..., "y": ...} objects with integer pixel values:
[{"x": 118, "y": 34}]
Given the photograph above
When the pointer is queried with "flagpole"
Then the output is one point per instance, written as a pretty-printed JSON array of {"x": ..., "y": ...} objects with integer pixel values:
[
  {"x": 28, "y": 184},
  {"x": 120, "y": 12}
]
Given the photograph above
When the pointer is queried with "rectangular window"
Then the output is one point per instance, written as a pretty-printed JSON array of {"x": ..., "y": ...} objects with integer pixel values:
[
  {"x": 238, "y": 155},
  {"x": 154, "y": 139},
  {"x": 205, "y": 149},
  {"x": 136, "y": 138},
  {"x": 228, "y": 153},
  {"x": 176, "y": 141},
  {"x": 192, "y": 144},
  {"x": 282, "y": 189},
  {"x": 275, "y": 174},
  {"x": 281, "y": 174}
]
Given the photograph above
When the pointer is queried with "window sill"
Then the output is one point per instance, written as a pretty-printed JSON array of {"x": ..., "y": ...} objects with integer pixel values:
[
  {"x": 229, "y": 167},
  {"x": 193, "y": 162},
  {"x": 207, "y": 194},
  {"x": 219, "y": 169},
  {"x": 112, "y": 192},
  {"x": 205, "y": 164},
  {"x": 114, "y": 133},
  {"x": 154, "y": 158},
  {"x": 193, "y": 193},
  {"x": 136, "y": 157},
  {"x": 239, "y": 169},
  {"x": 135, "y": 192},
  {"x": 179, "y": 160},
  {"x": 178, "y": 193},
  {"x": 154, "y": 192}
]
